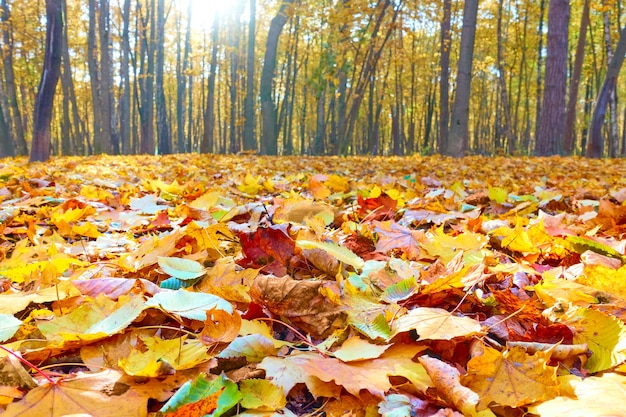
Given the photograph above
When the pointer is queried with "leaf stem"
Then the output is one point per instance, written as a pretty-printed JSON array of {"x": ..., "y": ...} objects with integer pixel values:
[{"x": 28, "y": 363}]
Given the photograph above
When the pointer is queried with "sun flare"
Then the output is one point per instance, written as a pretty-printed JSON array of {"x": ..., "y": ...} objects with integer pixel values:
[{"x": 203, "y": 11}]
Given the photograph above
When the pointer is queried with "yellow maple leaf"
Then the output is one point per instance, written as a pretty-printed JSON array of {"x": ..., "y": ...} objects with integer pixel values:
[{"x": 512, "y": 378}]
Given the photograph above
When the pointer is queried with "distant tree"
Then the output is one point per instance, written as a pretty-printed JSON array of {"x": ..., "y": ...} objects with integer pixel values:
[
  {"x": 444, "y": 79},
  {"x": 15, "y": 114},
  {"x": 163, "y": 127},
  {"x": 459, "y": 123},
  {"x": 208, "y": 139},
  {"x": 269, "y": 113},
  {"x": 6, "y": 144},
  {"x": 551, "y": 131},
  {"x": 44, "y": 100},
  {"x": 595, "y": 142},
  {"x": 249, "y": 127}
]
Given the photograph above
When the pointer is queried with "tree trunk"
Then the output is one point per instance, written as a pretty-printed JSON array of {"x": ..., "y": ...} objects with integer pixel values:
[
  {"x": 504, "y": 99},
  {"x": 596, "y": 140},
  {"x": 109, "y": 142},
  {"x": 459, "y": 128},
  {"x": 444, "y": 80},
  {"x": 613, "y": 135},
  {"x": 181, "y": 68},
  {"x": 552, "y": 120},
  {"x": 539, "y": 78},
  {"x": 124, "y": 105},
  {"x": 208, "y": 141},
  {"x": 570, "y": 120},
  {"x": 163, "y": 128},
  {"x": 269, "y": 112},
  {"x": 15, "y": 114},
  {"x": 6, "y": 144},
  {"x": 249, "y": 127},
  {"x": 44, "y": 100},
  {"x": 146, "y": 79}
]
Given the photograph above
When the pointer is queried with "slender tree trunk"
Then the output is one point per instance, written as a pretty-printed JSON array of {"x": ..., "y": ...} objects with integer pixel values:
[
  {"x": 94, "y": 77},
  {"x": 539, "y": 78},
  {"x": 504, "y": 99},
  {"x": 459, "y": 128},
  {"x": 444, "y": 80},
  {"x": 146, "y": 79},
  {"x": 182, "y": 69},
  {"x": 44, "y": 99},
  {"x": 613, "y": 135},
  {"x": 6, "y": 144},
  {"x": 109, "y": 143},
  {"x": 269, "y": 112},
  {"x": 570, "y": 121},
  {"x": 17, "y": 126},
  {"x": 208, "y": 139},
  {"x": 552, "y": 122},
  {"x": 249, "y": 127},
  {"x": 596, "y": 140},
  {"x": 163, "y": 128},
  {"x": 124, "y": 105}
]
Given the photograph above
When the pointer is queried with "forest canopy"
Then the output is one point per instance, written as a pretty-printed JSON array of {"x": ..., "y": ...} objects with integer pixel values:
[{"x": 330, "y": 77}]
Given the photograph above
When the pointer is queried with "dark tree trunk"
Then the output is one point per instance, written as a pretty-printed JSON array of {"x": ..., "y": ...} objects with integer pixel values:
[
  {"x": 15, "y": 114},
  {"x": 596, "y": 140},
  {"x": 44, "y": 99},
  {"x": 6, "y": 144},
  {"x": 249, "y": 127},
  {"x": 124, "y": 108},
  {"x": 146, "y": 79},
  {"x": 551, "y": 132},
  {"x": 570, "y": 121},
  {"x": 269, "y": 112},
  {"x": 182, "y": 68},
  {"x": 163, "y": 128},
  {"x": 459, "y": 128},
  {"x": 208, "y": 140},
  {"x": 109, "y": 140},
  {"x": 444, "y": 81}
]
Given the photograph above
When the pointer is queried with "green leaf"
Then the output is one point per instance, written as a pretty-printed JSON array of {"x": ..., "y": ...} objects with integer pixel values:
[
  {"x": 201, "y": 388},
  {"x": 176, "y": 284},
  {"x": 191, "y": 305},
  {"x": 580, "y": 245},
  {"x": 342, "y": 254},
  {"x": 400, "y": 291},
  {"x": 8, "y": 326},
  {"x": 183, "y": 269}
]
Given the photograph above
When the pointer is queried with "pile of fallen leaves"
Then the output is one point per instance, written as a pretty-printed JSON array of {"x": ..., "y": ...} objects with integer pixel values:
[{"x": 208, "y": 285}]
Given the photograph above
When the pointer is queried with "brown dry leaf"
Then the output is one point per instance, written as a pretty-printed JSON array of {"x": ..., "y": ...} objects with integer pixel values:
[
  {"x": 99, "y": 394},
  {"x": 446, "y": 379},
  {"x": 513, "y": 378},
  {"x": 299, "y": 301}
]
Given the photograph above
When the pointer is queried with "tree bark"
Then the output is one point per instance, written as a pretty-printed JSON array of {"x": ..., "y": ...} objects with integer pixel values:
[
  {"x": 459, "y": 128},
  {"x": 444, "y": 80},
  {"x": 6, "y": 144},
  {"x": 570, "y": 120},
  {"x": 44, "y": 100},
  {"x": 146, "y": 79},
  {"x": 208, "y": 140},
  {"x": 269, "y": 112},
  {"x": 550, "y": 136},
  {"x": 163, "y": 127},
  {"x": 596, "y": 140},
  {"x": 181, "y": 68},
  {"x": 124, "y": 104},
  {"x": 249, "y": 127},
  {"x": 109, "y": 140},
  {"x": 9, "y": 80}
]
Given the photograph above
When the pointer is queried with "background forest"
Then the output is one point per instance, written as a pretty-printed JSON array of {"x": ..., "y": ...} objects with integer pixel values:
[{"x": 327, "y": 77}]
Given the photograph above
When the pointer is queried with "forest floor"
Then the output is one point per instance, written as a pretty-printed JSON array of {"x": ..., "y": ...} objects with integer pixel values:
[{"x": 187, "y": 285}]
